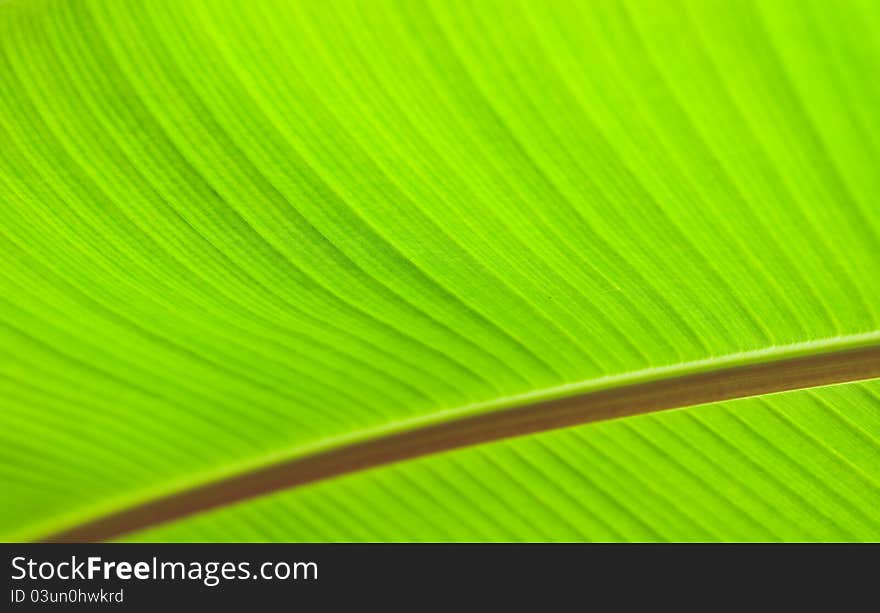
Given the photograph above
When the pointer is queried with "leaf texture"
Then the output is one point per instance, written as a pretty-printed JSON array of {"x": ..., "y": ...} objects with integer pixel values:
[{"x": 233, "y": 232}]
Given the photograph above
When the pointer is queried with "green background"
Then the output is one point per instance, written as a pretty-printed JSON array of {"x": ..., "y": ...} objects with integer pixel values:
[{"x": 237, "y": 232}]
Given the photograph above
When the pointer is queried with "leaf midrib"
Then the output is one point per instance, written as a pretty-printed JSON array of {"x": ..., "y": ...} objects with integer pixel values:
[{"x": 791, "y": 367}]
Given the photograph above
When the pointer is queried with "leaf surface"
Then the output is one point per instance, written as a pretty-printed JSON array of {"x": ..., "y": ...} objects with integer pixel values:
[{"x": 233, "y": 233}]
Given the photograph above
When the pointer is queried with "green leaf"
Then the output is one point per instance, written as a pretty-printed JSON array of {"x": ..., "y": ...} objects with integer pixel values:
[{"x": 234, "y": 234}]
